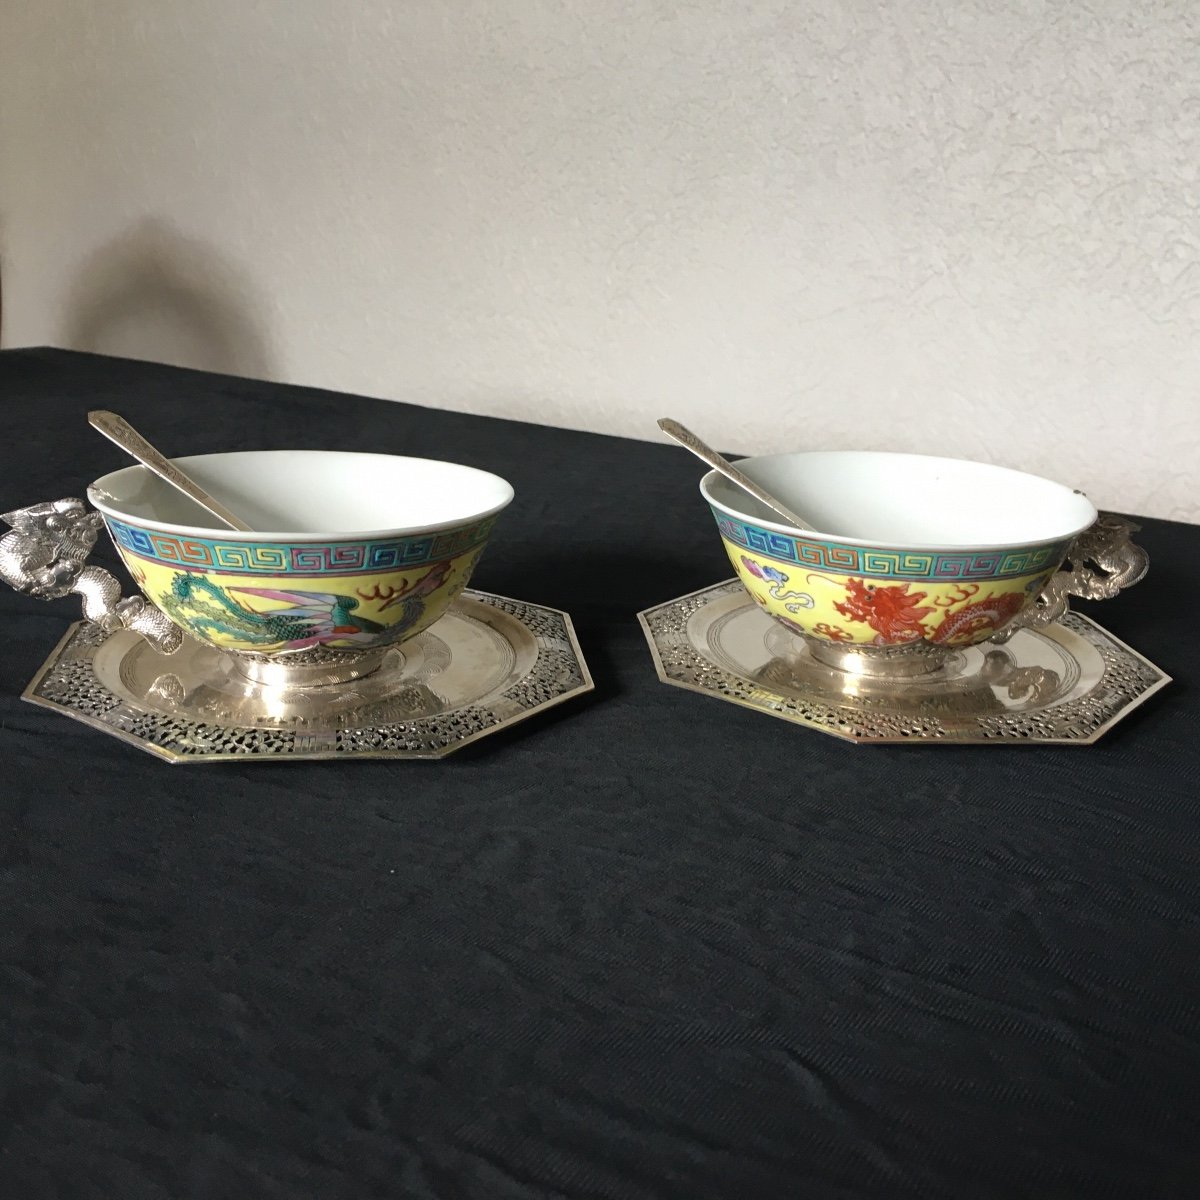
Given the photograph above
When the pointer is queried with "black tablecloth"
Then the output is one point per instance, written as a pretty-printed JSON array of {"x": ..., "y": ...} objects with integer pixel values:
[{"x": 647, "y": 946}]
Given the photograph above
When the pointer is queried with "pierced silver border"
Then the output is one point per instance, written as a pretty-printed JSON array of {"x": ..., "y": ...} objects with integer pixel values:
[
  {"x": 1128, "y": 680},
  {"x": 67, "y": 683}
]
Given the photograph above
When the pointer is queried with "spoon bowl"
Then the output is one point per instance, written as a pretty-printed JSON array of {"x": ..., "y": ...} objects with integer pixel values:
[
  {"x": 910, "y": 551},
  {"x": 351, "y": 554}
]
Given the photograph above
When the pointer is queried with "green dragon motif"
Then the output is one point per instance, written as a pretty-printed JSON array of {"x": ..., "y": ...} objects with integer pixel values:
[{"x": 313, "y": 618}]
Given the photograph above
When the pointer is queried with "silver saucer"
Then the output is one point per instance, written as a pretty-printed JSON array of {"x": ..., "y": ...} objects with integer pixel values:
[
  {"x": 1064, "y": 684},
  {"x": 487, "y": 664}
]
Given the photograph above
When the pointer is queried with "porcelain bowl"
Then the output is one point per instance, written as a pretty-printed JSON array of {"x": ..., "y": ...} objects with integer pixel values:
[
  {"x": 357, "y": 552},
  {"x": 907, "y": 548}
]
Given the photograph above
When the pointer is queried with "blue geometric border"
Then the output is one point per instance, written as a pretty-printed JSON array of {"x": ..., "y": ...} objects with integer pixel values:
[
  {"x": 298, "y": 558},
  {"x": 876, "y": 563}
]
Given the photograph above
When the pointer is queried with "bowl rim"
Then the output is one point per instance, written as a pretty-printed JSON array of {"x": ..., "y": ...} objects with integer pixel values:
[
  {"x": 99, "y": 498},
  {"x": 712, "y": 477}
]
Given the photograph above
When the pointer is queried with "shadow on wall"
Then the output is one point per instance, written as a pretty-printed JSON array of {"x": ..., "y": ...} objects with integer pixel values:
[{"x": 154, "y": 294}]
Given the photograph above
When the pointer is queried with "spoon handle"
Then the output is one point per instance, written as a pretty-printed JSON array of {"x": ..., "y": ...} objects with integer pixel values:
[
  {"x": 118, "y": 430},
  {"x": 686, "y": 438}
]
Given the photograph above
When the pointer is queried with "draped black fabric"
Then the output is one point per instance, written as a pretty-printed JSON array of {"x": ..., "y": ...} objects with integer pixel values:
[{"x": 648, "y": 946}]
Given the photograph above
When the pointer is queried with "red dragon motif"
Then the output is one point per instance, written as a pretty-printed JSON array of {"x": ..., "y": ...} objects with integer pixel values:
[
  {"x": 896, "y": 614},
  {"x": 890, "y": 611},
  {"x": 986, "y": 615},
  {"x": 835, "y": 633}
]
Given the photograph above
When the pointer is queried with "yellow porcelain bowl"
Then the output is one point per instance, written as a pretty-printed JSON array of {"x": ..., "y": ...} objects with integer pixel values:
[
  {"x": 367, "y": 550},
  {"x": 909, "y": 548}
]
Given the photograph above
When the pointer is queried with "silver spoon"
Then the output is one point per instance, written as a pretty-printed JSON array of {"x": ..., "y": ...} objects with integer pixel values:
[
  {"x": 118, "y": 430},
  {"x": 685, "y": 437}
]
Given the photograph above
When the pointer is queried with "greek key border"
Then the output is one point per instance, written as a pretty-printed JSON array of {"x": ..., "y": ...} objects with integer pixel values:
[
  {"x": 297, "y": 558},
  {"x": 878, "y": 563}
]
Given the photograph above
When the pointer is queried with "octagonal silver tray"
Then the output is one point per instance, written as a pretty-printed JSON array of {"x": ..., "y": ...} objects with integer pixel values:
[
  {"x": 1065, "y": 684},
  {"x": 487, "y": 664}
]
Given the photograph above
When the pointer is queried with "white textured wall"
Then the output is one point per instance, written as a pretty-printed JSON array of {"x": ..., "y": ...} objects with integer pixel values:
[{"x": 960, "y": 226}]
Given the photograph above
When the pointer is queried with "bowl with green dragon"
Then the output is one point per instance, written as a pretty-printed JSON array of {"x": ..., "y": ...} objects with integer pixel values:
[{"x": 350, "y": 551}]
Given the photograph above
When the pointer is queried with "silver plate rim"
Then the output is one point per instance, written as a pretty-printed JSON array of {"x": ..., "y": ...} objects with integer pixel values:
[
  {"x": 780, "y": 712},
  {"x": 584, "y": 685}
]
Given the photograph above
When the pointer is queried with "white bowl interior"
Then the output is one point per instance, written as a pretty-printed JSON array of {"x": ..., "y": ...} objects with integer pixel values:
[
  {"x": 288, "y": 493},
  {"x": 902, "y": 500}
]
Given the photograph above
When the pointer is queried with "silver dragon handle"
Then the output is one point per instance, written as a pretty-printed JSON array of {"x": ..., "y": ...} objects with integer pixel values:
[
  {"x": 1101, "y": 561},
  {"x": 44, "y": 555}
]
